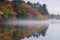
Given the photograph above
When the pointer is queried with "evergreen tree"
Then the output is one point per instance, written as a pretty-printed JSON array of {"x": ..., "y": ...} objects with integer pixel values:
[
  {"x": 29, "y": 3},
  {"x": 16, "y": 3},
  {"x": 44, "y": 10}
]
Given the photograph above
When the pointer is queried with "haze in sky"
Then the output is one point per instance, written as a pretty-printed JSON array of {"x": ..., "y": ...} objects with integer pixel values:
[{"x": 53, "y": 6}]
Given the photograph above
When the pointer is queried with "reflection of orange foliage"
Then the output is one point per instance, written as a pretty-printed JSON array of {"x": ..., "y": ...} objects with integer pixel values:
[
  {"x": 28, "y": 11},
  {"x": 0, "y": 2},
  {"x": 29, "y": 30},
  {"x": 1, "y": 12},
  {"x": 8, "y": 36}
]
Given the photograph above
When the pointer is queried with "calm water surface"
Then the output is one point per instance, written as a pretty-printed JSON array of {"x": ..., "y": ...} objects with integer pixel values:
[
  {"x": 33, "y": 30},
  {"x": 53, "y": 33}
]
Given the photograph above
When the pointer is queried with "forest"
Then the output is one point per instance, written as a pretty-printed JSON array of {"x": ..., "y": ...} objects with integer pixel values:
[{"x": 19, "y": 9}]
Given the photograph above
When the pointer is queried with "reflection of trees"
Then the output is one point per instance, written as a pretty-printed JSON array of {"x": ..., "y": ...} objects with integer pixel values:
[
  {"x": 26, "y": 32},
  {"x": 20, "y": 32},
  {"x": 22, "y": 11},
  {"x": 15, "y": 35},
  {"x": 42, "y": 32}
]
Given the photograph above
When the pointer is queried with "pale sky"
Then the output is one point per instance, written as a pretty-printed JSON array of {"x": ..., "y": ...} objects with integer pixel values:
[{"x": 53, "y": 6}]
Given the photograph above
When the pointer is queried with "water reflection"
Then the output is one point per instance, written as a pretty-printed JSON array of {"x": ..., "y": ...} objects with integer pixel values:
[
  {"x": 53, "y": 33},
  {"x": 29, "y": 31},
  {"x": 15, "y": 32}
]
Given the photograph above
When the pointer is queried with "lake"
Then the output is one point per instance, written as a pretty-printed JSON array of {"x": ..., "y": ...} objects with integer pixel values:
[
  {"x": 53, "y": 33},
  {"x": 30, "y": 30}
]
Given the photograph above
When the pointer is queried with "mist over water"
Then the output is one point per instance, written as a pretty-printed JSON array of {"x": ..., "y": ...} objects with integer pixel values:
[
  {"x": 31, "y": 22},
  {"x": 35, "y": 29},
  {"x": 53, "y": 32}
]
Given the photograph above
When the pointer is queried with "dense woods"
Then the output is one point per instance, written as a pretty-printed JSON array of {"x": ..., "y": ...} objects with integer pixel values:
[{"x": 19, "y": 9}]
